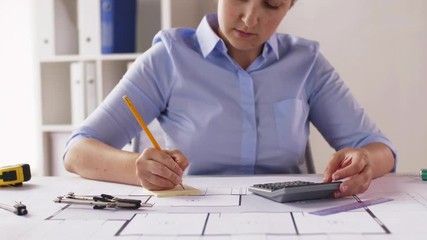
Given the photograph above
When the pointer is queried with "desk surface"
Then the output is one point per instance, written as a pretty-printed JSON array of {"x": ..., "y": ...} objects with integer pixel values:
[{"x": 225, "y": 211}]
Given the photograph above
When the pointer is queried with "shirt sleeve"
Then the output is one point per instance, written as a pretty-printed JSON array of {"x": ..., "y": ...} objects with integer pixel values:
[
  {"x": 336, "y": 113},
  {"x": 147, "y": 84}
]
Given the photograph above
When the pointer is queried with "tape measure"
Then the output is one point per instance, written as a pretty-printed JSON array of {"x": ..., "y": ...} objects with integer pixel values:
[{"x": 15, "y": 174}]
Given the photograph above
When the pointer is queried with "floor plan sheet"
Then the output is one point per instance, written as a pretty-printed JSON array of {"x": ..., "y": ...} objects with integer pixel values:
[{"x": 223, "y": 210}]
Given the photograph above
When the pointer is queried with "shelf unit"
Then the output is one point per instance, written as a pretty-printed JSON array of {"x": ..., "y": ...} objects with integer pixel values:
[{"x": 69, "y": 32}]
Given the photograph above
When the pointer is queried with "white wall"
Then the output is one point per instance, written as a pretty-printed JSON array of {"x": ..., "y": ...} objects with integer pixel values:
[
  {"x": 379, "y": 47},
  {"x": 18, "y": 119}
]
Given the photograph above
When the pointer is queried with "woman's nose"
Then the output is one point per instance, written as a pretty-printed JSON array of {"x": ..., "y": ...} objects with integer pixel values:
[{"x": 250, "y": 16}]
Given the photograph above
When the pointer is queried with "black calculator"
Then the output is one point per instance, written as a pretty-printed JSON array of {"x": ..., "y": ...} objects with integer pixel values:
[{"x": 295, "y": 190}]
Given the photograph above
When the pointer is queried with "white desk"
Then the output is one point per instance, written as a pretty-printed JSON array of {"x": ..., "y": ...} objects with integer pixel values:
[{"x": 226, "y": 211}]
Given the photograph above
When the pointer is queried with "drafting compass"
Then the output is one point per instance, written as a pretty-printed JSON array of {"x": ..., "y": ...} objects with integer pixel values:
[
  {"x": 102, "y": 201},
  {"x": 19, "y": 208}
]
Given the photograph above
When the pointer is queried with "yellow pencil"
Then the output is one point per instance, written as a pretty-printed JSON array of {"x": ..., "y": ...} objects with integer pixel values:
[{"x": 143, "y": 125}]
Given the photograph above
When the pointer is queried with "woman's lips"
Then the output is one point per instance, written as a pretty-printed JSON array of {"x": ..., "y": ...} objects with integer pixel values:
[{"x": 244, "y": 34}]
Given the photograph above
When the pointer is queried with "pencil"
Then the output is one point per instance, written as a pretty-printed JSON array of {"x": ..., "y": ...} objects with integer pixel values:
[{"x": 143, "y": 125}]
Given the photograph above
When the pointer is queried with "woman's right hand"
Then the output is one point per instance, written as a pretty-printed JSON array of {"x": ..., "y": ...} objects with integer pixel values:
[{"x": 160, "y": 170}]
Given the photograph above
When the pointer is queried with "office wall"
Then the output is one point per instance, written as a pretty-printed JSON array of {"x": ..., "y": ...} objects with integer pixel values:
[
  {"x": 379, "y": 47},
  {"x": 18, "y": 121}
]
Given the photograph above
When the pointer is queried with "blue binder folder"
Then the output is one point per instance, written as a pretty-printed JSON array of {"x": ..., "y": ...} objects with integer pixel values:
[{"x": 118, "y": 26}]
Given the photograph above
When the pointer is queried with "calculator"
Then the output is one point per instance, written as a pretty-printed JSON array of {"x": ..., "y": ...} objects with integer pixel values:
[{"x": 295, "y": 190}]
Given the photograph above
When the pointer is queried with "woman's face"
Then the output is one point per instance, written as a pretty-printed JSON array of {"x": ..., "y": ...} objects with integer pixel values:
[{"x": 245, "y": 25}]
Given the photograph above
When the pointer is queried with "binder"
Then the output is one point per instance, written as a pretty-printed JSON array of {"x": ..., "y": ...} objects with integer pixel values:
[
  {"x": 45, "y": 19},
  {"x": 90, "y": 88},
  {"x": 84, "y": 98},
  {"x": 57, "y": 27},
  {"x": 89, "y": 19},
  {"x": 118, "y": 26},
  {"x": 78, "y": 103}
]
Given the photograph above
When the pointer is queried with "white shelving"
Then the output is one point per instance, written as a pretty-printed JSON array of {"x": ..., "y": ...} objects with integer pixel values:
[{"x": 69, "y": 32}]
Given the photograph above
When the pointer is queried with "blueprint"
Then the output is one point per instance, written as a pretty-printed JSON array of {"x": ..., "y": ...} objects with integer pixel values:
[{"x": 226, "y": 210}]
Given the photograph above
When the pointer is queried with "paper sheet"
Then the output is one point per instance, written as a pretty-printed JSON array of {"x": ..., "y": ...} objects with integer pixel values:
[
  {"x": 176, "y": 191},
  {"x": 166, "y": 224},
  {"x": 224, "y": 211}
]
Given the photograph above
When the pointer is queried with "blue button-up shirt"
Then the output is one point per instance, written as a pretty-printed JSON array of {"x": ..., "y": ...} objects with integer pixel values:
[{"x": 229, "y": 120}]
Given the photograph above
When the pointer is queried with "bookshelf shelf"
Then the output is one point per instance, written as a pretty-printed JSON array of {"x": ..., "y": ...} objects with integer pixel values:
[
  {"x": 69, "y": 53},
  {"x": 76, "y": 58}
]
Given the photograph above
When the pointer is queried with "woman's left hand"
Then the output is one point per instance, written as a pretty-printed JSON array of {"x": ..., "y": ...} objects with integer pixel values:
[{"x": 353, "y": 165}]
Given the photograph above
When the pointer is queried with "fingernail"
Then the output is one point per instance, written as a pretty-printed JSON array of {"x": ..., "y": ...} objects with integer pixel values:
[
  {"x": 344, "y": 188},
  {"x": 337, "y": 194}
]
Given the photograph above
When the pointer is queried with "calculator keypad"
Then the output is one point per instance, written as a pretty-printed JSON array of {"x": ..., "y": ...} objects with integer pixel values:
[
  {"x": 292, "y": 191},
  {"x": 279, "y": 185}
]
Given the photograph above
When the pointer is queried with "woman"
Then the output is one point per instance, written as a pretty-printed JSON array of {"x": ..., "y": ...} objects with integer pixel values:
[{"x": 235, "y": 98}]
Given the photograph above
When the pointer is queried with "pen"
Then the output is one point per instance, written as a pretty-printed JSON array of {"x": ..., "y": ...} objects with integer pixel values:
[{"x": 143, "y": 125}]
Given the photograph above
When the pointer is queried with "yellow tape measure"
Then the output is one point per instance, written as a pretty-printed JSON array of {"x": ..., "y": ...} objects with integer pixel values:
[{"x": 15, "y": 174}]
